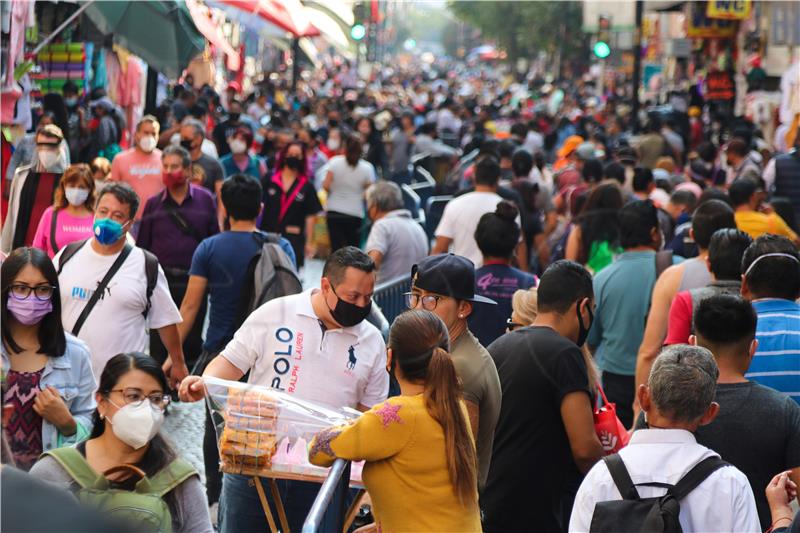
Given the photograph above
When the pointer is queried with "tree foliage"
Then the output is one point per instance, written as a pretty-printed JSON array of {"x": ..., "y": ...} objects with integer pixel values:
[{"x": 526, "y": 28}]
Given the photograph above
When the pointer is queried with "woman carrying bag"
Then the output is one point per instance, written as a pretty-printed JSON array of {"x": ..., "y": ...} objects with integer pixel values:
[{"x": 126, "y": 468}]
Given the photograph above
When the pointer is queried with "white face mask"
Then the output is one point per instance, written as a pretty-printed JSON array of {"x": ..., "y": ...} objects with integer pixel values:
[
  {"x": 136, "y": 425},
  {"x": 333, "y": 143},
  {"x": 237, "y": 146},
  {"x": 76, "y": 196},
  {"x": 49, "y": 159},
  {"x": 147, "y": 143}
]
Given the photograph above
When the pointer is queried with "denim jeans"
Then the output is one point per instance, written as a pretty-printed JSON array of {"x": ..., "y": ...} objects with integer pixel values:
[{"x": 240, "y": 508}]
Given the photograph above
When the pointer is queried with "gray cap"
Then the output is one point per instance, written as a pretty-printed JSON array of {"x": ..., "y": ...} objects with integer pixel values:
[{"x": 585, "y": 151}]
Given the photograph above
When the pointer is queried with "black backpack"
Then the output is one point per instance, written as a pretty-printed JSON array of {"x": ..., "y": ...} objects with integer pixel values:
[
  {"x": 634, "y": 514},
  {"x": 270, "y": 274}
]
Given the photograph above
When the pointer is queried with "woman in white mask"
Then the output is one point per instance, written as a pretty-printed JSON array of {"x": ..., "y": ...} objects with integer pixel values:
[
  {"x": 70, "y": 217},
  {"x": 29, "y": 194},
  {"x": 239, "y": 161},
  {"x": 131, "y": 399}
]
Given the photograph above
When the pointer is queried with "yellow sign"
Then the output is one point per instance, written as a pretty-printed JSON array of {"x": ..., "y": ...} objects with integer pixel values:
[
  {"x": 698, "y": 25},
  {"x": 728, "y": 9}
]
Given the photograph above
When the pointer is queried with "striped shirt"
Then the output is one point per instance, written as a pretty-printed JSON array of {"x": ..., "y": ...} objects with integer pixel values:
[{"x": 777, "y": 361}]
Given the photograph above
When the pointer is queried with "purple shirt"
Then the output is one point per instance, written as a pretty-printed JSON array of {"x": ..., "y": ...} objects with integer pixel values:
[{"x": 159, "y": 231}]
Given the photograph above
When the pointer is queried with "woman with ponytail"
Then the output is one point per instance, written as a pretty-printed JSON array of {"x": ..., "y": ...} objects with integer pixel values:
[{"x": 421, "y": 469}]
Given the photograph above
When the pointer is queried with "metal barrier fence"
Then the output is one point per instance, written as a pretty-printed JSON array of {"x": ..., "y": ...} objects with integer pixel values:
[
  {"x": 389, "y": 296},
  {"x": 338, "y": 479}
]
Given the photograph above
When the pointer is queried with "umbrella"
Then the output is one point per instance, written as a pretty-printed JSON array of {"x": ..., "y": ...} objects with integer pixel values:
[
  {"x": 286, "y": 14},
  {"x": 161, "y": 32}
]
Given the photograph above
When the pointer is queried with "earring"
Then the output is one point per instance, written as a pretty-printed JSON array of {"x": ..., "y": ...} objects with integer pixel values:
[
  {"x": 102, "y": 416},
  {"x": 460, "y": 316}
]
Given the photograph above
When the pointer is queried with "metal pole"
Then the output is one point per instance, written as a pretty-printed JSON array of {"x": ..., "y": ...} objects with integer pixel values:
[
  {"x": 325, "y": 495},
  {"x": 637, "y": 63},
  {"x": 295, "y": 63}
]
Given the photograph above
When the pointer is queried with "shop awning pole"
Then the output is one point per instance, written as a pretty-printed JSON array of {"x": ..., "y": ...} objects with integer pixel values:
[
  {"x": 637, "y": 65},
  {"x": 63, "y": 26}
]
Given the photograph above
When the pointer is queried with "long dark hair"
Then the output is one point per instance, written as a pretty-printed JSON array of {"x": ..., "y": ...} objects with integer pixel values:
[
  {"x": 280, "y": 160},
  {"x": 420, "y": 345},
  {"x": 159, "y": 453},
  {"x": 598, "y": 219},
  {"x": 52, "y": 341},
  {"x": 352, "y": 149}
]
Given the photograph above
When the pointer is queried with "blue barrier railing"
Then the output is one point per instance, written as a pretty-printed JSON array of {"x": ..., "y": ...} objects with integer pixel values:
[{"x": 389, "y": 296}]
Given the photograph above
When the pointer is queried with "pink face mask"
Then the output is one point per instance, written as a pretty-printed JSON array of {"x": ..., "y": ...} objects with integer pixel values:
[{"x": 29, "y": 311}]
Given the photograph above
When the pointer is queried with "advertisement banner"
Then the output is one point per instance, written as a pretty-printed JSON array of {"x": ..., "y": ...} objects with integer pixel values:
[
  {"x": 728, "y": 10},
  {"x": 698, "y": 25}
]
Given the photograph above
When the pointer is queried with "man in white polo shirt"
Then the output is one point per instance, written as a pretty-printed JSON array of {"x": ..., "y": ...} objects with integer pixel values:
[{"x": 316, "y": 345}]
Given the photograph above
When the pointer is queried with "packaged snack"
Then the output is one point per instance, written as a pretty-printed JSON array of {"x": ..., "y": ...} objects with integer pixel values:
[{"x": 263, "y": 432}]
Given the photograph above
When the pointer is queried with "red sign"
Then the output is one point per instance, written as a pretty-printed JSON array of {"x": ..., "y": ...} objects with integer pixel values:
[{"x": 720, "y": 86}]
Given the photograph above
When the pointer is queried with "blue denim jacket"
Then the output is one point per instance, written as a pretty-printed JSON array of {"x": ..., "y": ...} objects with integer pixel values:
[{"x": 71, "y": 375}]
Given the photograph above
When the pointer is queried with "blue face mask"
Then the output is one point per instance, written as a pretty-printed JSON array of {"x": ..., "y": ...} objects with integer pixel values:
[{"x": 107, "y": 231}]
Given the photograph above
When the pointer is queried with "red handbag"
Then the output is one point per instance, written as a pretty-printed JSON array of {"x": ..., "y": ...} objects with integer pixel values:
[{"x": 612, "y": 434}]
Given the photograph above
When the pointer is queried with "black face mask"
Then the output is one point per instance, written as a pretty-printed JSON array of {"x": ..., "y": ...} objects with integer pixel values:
[
  {"x": 583, "y": 331},
  {"x": 346, "y": 314},
  {"x": 295, "y": 163},
  {"x": 234, "y": 117},
  {"x": 187, "y": 145}
]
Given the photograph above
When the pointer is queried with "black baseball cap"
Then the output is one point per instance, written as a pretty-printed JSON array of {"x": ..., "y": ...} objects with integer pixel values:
[{"x": 448, "y": 275}]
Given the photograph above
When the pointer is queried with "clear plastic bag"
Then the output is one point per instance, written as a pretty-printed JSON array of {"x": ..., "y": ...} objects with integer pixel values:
[{"x": 263, "y": 432}]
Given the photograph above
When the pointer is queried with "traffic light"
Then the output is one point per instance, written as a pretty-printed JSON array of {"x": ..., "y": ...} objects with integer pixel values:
[
  {"x": 602, "y": 49},
  {"x": 358, "y": 30}
]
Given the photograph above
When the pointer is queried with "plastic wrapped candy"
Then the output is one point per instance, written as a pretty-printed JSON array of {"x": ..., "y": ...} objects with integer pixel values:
[{"x": 263, "y": 432}]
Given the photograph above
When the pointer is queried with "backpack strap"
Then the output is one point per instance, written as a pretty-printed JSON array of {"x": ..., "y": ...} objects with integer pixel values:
[
  {"x": 101, "y": 288},
  {"x": 69, "y": 251},
  {"x": 621, "y": 477},
  {"x": 76, "y": 466},
  {"x": 53, "y": 227},
  {"x": 151, "y": 274},
  {"x": 697, "y": 475},
  {"x": 663, "y": 261},
  {"x": 167, "y": 479}
]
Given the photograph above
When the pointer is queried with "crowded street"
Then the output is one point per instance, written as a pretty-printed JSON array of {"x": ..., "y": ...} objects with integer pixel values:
[{"x": 369, "y": 266}]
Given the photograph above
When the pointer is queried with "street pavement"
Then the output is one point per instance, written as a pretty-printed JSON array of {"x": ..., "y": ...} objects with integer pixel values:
[{"x": 185, "y": 424}]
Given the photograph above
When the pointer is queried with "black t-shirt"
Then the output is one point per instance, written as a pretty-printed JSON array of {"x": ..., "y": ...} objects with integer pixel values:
[
  {"x": 532, "y": 474},
  {"x": 757, "y": 430},
  {"x": 305, "y": 203}
]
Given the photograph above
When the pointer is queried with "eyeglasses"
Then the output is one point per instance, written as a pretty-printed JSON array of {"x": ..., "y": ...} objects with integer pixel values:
[
  {"x": 429, "y": 301},
  {"x": 20, "y": 291},
  {"x": 511, "y": 326},
  {"x": 135, "y": 397}
]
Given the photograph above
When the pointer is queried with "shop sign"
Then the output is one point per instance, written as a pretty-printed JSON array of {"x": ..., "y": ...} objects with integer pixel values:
[
  {"x": 698, "y": 25},
  {"x": 728, "y": 10},
  {"x": 720, "y": 86}
]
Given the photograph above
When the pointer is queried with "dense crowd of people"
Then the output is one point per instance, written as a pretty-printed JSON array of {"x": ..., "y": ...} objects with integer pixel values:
[{"x": 562, "y": 266}]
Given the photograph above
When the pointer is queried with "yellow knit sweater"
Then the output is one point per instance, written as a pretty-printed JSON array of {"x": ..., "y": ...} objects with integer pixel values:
[{"x": 406, "y": 467}]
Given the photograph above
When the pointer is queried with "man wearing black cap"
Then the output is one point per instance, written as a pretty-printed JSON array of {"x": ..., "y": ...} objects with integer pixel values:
[{"x": 445, "y": 285}]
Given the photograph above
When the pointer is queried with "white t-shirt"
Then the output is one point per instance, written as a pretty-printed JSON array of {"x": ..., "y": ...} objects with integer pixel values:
[
  {"x": 348, "y": 186},
  {"x": 283, "y": 345},
  {"x": 116, "y": 324},
  {"x": 460, "y": 220}
]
